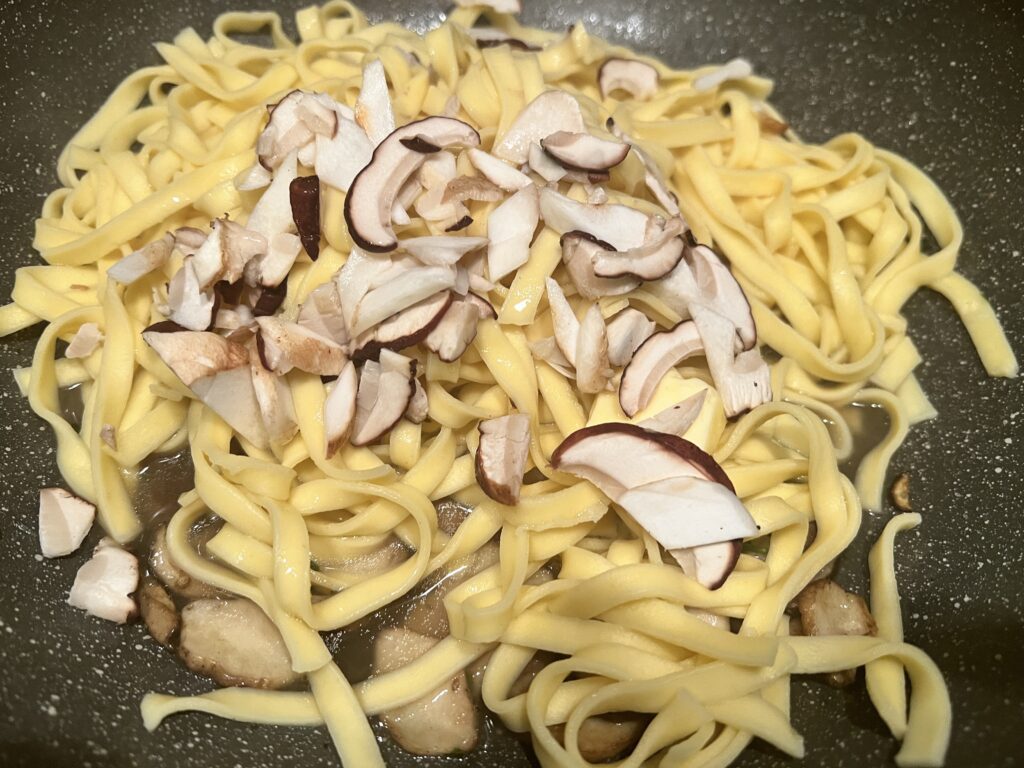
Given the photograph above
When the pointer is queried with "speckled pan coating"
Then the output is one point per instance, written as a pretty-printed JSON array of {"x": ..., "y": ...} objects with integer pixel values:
[{"x": 937, "y": 81}]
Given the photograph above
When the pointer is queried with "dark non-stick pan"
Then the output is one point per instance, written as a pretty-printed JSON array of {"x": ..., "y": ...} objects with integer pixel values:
[{"x": 936, "y": 81}]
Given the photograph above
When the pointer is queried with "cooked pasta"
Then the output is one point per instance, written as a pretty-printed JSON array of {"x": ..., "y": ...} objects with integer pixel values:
[{"x": 826, "y": 242}]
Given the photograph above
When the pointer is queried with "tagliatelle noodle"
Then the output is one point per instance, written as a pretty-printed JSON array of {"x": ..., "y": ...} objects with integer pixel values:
[{"x": 826, "y": 242}]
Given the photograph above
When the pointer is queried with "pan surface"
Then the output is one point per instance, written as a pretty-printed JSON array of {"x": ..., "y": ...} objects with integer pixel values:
[{"x": 938, "y": 82}]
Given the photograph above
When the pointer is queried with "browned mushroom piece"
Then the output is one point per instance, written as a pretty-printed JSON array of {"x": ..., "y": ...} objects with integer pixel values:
[
  {"x": 604, "y": 738},
  {"x": 899, "y": 492},
  {"x": 827, "y": 609},
  {"x": 175, "y": 579},
  {"x": 159, "y": 613},
  {"x": 427, "y": 614}
]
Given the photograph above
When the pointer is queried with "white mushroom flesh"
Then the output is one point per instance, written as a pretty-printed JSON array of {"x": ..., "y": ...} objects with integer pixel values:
[
  {"x": 64, "y": 521},
  {"x": 549, "y": 113},
  {"x": 501, "y": 456},
  {"x": 86, "y": 340},
  {"x": 510, "y": 229},
  {"x": 103, "y": 585}
]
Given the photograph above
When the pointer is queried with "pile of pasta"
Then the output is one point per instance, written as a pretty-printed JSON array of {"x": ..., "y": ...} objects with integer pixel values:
[{"x": 826, "y": 241}]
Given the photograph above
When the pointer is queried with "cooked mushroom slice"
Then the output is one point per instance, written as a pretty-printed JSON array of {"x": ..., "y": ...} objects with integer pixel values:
[
  {"x": 720, "y": 289},
  {"x": 64, "y": 521},
  {"x": 340, "y": 408},
  {"x": 828, "y": 609},
  {"x": 737, "y": 69},
  {"x": 510, "y": 229},
  {"x": 373, "y": 107},
  {"x": 593, "y": 370},
  {"x": 626, "y": 332},
  {"x": 678, "y": 418},
  {"x": 743, "y": 380},
  {"x": 285, "y": 345},
  {"x": 385, "y": 390},
  {"x": 465, "y": 188},
  {"x": 405, "y": 328},
  {"x": 427, "y": 614},
  {"x": 339, "y": 159},
  {"x": 548, "y": 351},
  {"x": 456, "y": 331},
  {"x": 501, "y": 456},
  {"x": 305, "y": 199},
  {"x": 187, "y": 304},
  {"x": 321, "y": 313},
  {"x": 498, "y": 171},
  {"x": 158, "y": 611},
  {"x": 710, "y": 564},
  {"x": 174, "y": 578},
  {"x": 217, "y": 371},
  {"x": 584, "y": 151},
  {"x": 567, "y": 327},
  {"x": 619, "y": 225},
  {"x": 233, "y": 642},
  {"x": 140, "y": 263},
  {"x": 441, "y": 723},
  {"x": 483, "y": 306},
  {"x": 652, "y": 360},
  {"x": 498, "y": 6},
  {"x": 85, "y": 341},
  {"x": 103, "y": 584},
  {"x": 603, "y": 738},
  {"x": 372, "y": 194},
  {"x": 637, "y": 78},
  {"x": 899, "y": 492},
  {"x": 650, "y": 261},
  {"x": 293, "y": 124},
  {"x": 550, "y": 112},
  {"x": 579, "y": 250},
  {"x": 419, "y": 405},
  {"x": 442, "y": 250},
  {"x": 274, "y": 397}
]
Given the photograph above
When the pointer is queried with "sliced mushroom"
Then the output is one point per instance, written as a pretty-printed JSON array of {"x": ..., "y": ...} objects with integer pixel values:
[
  {"x": 619, "y": 225},
  {"x": 652, "y": 360},
  {"x": 293, "y": 124},
  {"x": 405, "y": 286},
  {"x": 321, "y": 313},
  {"x": 438, "y": 171},
  {"x": 603, "y": 738},
  {"x": 372, "y": 195},
  {"x": 373, "y": 110},
  {"x": 510, "y": 229},
  {"x": 743, "y": 381},
  {"x": 274, "y": 398},
  {"x": 340, "y": 158},
  {"x": 498, "y": 171},
  {"x": 584, "y": 151},
  {"x": 233, "y": 642},
  {"x": 501, "y": 456},
  {"x": 403, "y": 329},
  {"x": 722, "y": 292},
  {"x": 827, "y": 609},
  {"x": 626, "y": 332},
  {"x": 654, "y": 179},
  {"x": 225, "y": 253},
  {"x": 465, "y": 188},
  {"x": 579, "y": 250},
  {"x": 678, "y": 418},
  {"x": 174, "y": 578},
  {"x": 340, "y": 408},
  {"x": 272, "y": 218},
  {"x": 544, "y": 165},
  {"x": 736, "y": 69},
  {"x": 427, "y": 614},
  {"x": 103, "y": 585},
  {"x": 563, "y": 318},
  {"x": 187, "y": 304},
  {"x": 442, "y": 250},
  {"x": 419, "y": 405},
  {"x": 270, "y": 299},
  {"x": 140, "y": 263},
  {"x": 385, "y": 390},
  {"x": 85, "y": 341},
  {"x": 253, "y": 178},
  {"x": 284, "y": 345},
  {"x": 158, "y": 611},
  {"x": 64, "y": 521},
  {"x": 305, "y": 200},
  {"x": 650, "y": 261},
  {"x": 899, "y": 492},
  {"x": 443, "y": 722},
  {"x": 593, "y": 370},
  {"x": 550, "y": 112},
  {"x": 710, "y": 564},
  {"x": 451, "y": 337},
  {"x": 548, "y": 351},
  {"x": 637, "y": 78}
]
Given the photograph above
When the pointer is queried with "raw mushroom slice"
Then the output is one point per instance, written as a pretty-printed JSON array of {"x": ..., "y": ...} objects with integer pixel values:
[
  {"x": 544, "y": 165},
  {"x": 736, "y": 69},
  {"x": 654, "y": 179},
  {"x": 438, "y": 171},
  {"x": 304, "y": 193},
  {"x": 140, "y": 263},
  {"x": 720, "y": 289},
  {"x": 383, "y": 396},
  {"x": 563, "y": 318},
  {"x": 339, "y": 159},
  {"x": 619, "y": 225},
  {"x": 419, "y": 405},
  {"x": 373, "y": 110},
  {"x": 443, "y": 250},
  {"x": 465, "y": 188},
  {"x": 403, "y": 329},
  {"x": 451, "y": 337},
  {"x": 626, "y": 332},
  {"x": 224, "y": 254},
  {"x": 274, "y": 398},
  {"x": 408, "y": 286},
  {"x": 187, "y": 304},
  {"x": 321, "y": 313},
  {"x": 637, "y": 78},
  {"x": 709, "y": 564},
  {"x": 86, "y": 340},
  {"x": 650, "y": 261},
  {"x": 272, "y": 218},
  {"x": 593, "y": 370},
  {"x": 292, "y": 126},
  {"x": 158, "y": 611},
  {"x": 678, "y": 418},
  {"x": 372, "y": 195},
  {"x": 188, "y": 240},
  {"x": 340, "y": 409},
  {"x": 64, "y": 521},
  {"x": 270, "y": 299},
  {"x": 579, "y": 250},
  {"x": 743, "y": 381},
  {"x": 498, "y": 171},
  {"x": 284, "y": 345},
  {"x": 510, "y": 229},
  {"x": 253, "y": 178},
  {"x": 233, "y": 642},
  {"x": 652, "y": 360},
  {"x": 584, "y": 151},
  {"x": 548, "y": 351},
  {"x": 104, "y": 584},
  {"x": 550, "y": 112},
  {"x": 501, "y": 456},
  {"x": 483, "y": 306}
]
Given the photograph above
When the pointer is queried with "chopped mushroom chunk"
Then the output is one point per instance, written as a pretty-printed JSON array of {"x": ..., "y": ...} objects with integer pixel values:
[
  {"x": 158, "y": 611},
  {"x": 86, "y": 340},
  {"x": 64, "y": 521},
  {"x": 373, "y": 110},
  {"x": 549, "y": 113},
  {"x": 140, "y": 263},
  {"x": 501, "y": 456},
  {"x": 900, "y": 492},
  {"x": 827, "y": 609},
  {"x": 285, "y": 345},
  {"x": 163, "y": 567},
  {"x": 104, "y": 584},
  {"x": 655, "y": 357},
  {"x": 584, "y": 151},
  {"x": 385, "y": 391},
  {"x": 510, "y": 229},
  {"x": 636, "y": 78}
]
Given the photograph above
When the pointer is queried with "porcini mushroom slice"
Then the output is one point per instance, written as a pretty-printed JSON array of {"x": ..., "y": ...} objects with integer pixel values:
[
  {"x": 510, "y": 229},
  {"x": 603, "y": 738},
  {"x": 544, "y": 165},
  {"x": 140, "y": 263},
  {"x": 340, "y": 408},
  {"x": 626, "y": 332},
  {"x": 584, "y": 151},
  {"x": 443, "y": 250},
  {"x": 736, "y": 69},
  {"x": 403, "y": 329},
  {"x": 419, "y": 405},
  {"x": 321, "y": 313},
  {"x": 166, "y": 570},
  {"x": 444, "y": 721},
  {"x": 274, "y": 398},
  {"x": 340, "y": 158},
  {"x": 225, "y": 253},
  {"x": 709, "y": 564},
  {"x": 637, "y": 78},
  {"x": 285, "y": 345},
  {"x": 619, "y": 225},
  {"x": 85, "y": 341},
  {"x": 563, "y": 318},
  {"x": 592, "y": 368},
  {"x": 158, "y": 611},
  {"x": 383, "y": 396},
  {"x": 292, "y": 125},
  {"x": 187, "y": 304},
  {"x": 404, "y": 288},
  {"x": 451, "y": 337},
  {"x": 652, "y": 360},
  {"x": 103, "y": 585},
  {"x": 188, "y": 240},
  {"x": 654, "y": 179},
  {"x": 720, "y": 289},
  {"x": 498, "y": 171},
  {"x": 253, "y": 178},
  {"x": 372, "y": 194},
  {"x": 233, "y": 642},
  {"x": 304, "y": 193},
  {"x": 501, "y": 456},
  {"x": 743, "y": 381},
  {"x": 64, "y": 521},
  {"x": 550, "y": 112},
  {"x": 464, "y": 188},
  {"x": 678, "y": 418},
  {"x": 373, "y": 106},
  {"x": 650, "y": 261},
  {"x": 579, "y": 250}
]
